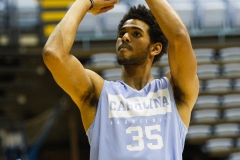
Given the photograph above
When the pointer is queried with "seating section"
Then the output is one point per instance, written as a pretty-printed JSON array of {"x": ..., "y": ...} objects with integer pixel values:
[
  {"x": 216, "y": 115},
  {"x": 201, "y": 17}
]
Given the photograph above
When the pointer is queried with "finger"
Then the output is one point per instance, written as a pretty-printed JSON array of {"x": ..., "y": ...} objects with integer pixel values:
[
  {"x": 105, "y": 9},
  {"x": 111, "y": 2}
]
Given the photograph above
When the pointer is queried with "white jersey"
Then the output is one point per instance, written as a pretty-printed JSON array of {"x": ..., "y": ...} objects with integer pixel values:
[{"x": 137, "y": 125}]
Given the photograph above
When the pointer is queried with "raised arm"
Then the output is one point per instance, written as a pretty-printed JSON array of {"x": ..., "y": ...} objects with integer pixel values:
[
  {"x": 82, "y": 85},
  {"x": 182, "y": 61}
]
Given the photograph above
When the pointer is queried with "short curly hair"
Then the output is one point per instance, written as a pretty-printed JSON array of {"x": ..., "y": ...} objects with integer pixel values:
[{"x": 142, "y": 13}]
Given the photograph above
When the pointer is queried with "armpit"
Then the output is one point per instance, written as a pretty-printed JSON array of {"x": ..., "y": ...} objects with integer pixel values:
[{"x": 179, "y": 96}]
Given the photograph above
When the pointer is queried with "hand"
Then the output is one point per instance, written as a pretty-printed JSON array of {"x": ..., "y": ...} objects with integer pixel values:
[{"x": 101, "y": 6}]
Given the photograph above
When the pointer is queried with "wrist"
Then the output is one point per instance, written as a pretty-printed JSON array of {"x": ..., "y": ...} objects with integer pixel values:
[{"x": 92, "y": 4}]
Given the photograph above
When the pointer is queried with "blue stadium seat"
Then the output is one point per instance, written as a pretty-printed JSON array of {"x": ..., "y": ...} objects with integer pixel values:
[
  {"x": 226, "y": 129},
  {"x": 206, "y": 71},
  {"x": 231, "y": 70},
  {"x": 136, "y": 3},
  {"x": 234, "y": 156},
  {"x": 205, "y": 116},
  {"x": 236, "y": 85},
  {"x": 156, "y": 72},
  {"x": 207, "y": 101},
  {"x": 111, "y": 19},
  {"x": 230, "y": 55},
  {"x": 90, "y": 26},
  {"x": 25, "y": 14},
  {"x": 234, "y": 13},
  {"x": 163, "y": 61},
  {"x": 218, "y": 86},
  {"x": 218, "y": 145},
  {"x": 205, "y": 55},
  {"x": 211, "y": 14},
  {"x": 103, "y": 60},
  {"x": 199, "y": 131},
  {"x": 112, "y": 74},
  {"x": 186, "y": 10},
  {"x": 231, "y": 100},
  {"x": 231, "y": 114}
]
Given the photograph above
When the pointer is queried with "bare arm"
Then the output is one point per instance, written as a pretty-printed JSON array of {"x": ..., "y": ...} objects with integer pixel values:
[
  {"x": 81, "y": 84},
  {"x": 182, "y": 61}
]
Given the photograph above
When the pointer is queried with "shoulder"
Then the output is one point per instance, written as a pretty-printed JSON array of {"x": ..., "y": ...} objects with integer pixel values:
[{"x": 97, "y": 82}]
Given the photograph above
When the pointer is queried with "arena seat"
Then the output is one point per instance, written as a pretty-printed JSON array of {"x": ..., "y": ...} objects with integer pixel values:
[
  {"x": 112, "y": 74},
  {"x": 27, "y": 15},
  {"x": 234, "y": 156},
  {"x": 229, "y": 54},
  {"x": 206, "y": 116},
  {"x": 218, "y": 145},
  {"x": 207, "y": 101},
  {"x": 234, "y": 13},
  {"x": 218, "y": 86},
  {"x": 199, "y": 131},
  {"x": 185, "y": 9},
  {"x": 205, "y": 55},
  {"x": 211, "y": 14},
  {"x": 111, "y": 19},
  {"x": 231, "y": 70},
  {"x": 208, "y": 71},
  {"x": 103, "y": 60},
  {"x": 163, "y": 61},
  {"x": 90, "y": 26},
  {"x": 236, "y": 85},
  {"x": 226, "y": 129},
  {"x": 231, "y": 100},
  {"x": 156, "y": 72},
  {"x": 232, "y": 114}
]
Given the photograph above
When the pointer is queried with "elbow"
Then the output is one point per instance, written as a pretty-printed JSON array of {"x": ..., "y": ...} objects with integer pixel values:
[
  {"x": 182, "y": 34},
  {"x": 48, "y": 55}
]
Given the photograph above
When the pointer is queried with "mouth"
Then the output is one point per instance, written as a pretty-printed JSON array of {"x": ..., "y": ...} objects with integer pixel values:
[{"x": 124, "y": 46}]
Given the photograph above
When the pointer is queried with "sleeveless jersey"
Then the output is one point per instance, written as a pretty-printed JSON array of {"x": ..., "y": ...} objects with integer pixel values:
[{"x": 137, "y": 125}]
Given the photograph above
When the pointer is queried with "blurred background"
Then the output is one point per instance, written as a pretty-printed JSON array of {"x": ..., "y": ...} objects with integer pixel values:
[{"x": 38, "y": 121}]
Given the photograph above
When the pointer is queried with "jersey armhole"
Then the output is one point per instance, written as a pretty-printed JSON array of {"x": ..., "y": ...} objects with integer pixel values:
[
  {"x": 171, "y": 92},
  {"x": 89, "y": 130}
]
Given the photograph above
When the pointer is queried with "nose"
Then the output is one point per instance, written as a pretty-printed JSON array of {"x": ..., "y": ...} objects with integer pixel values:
[{"x": 125, "y": 38}]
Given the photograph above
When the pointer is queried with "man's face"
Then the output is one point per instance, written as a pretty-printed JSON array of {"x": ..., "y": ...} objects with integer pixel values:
[{"x": 133, "y": 43}]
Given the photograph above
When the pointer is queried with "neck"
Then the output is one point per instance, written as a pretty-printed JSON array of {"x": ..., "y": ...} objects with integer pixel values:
[{"x": 136, "y": 77}]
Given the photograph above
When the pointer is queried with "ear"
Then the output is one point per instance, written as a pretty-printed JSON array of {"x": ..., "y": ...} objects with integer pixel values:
[{"x": 156, "y": 48}]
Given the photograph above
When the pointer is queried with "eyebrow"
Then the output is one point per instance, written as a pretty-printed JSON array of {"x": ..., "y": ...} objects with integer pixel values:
[{"x": 133, "y": 27}]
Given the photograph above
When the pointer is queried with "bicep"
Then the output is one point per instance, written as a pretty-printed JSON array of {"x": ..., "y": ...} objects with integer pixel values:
[{"x": 183, "y": 68}]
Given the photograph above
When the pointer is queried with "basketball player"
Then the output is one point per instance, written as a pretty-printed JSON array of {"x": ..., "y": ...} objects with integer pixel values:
[{"x": 137, "y": 117}]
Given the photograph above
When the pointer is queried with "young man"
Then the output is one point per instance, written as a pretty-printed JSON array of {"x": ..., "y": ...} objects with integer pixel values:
[{"x": 139, "y": 117}]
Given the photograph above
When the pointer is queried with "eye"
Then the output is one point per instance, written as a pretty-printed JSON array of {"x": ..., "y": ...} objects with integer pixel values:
[
  {"x": 121, "y": 34},
  {"x": 136, "y": 34}
]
